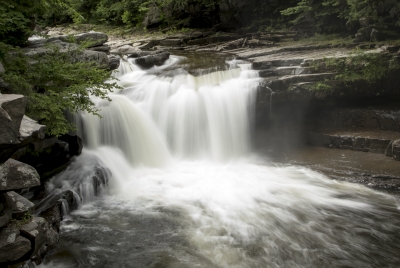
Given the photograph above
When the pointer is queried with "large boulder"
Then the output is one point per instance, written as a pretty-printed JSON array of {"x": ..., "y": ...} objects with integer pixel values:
[
  {"x": 15, "y": 175},
  {"x": 152, "y": 60},
  {"x": 12, "y": 246},
  {"x": 94, "y": 56},
  {"x": 91, "y": 39},
  {"x": 12, "y": 109}
]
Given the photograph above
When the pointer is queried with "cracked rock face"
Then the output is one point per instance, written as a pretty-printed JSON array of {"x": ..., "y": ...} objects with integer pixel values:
[{"x": 15, "y": 175}]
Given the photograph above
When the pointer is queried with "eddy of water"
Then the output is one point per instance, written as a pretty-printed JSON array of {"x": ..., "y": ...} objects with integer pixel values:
[{"x": 186, "y": 191}]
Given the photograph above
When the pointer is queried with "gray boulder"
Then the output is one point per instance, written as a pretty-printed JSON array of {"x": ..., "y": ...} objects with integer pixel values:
[
  {"x": 12, "y": 246},
  {"x": 15, "y": 175},
  {"x": 92, "y": 38},
  {"x": 152, "y": 60},
  {"x": 20, "y": 205},
  {"x": 12, "y": 109}
]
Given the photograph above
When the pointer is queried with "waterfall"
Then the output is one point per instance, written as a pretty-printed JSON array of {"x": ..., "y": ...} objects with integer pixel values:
[{"x": 181, "y": 187}]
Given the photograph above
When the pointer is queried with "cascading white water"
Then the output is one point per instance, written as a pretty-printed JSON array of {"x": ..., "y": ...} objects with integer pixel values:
[{"x": 187, "y": 192}]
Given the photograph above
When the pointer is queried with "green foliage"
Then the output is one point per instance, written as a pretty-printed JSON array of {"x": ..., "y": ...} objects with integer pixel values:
[
  {"x": 320, "y": 86},
  {"x": 329, "y": 16},
  {"x": 326, "y": 16},
  {"x": 25, "y": 219},
  {"x": 362, "y": 66},
  {"x": 16, "y": 21},
  {"x": 54, "y": 82}
]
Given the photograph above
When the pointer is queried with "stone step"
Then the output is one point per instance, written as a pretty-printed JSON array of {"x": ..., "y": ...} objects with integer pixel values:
[{"x": 357, "y": 139}]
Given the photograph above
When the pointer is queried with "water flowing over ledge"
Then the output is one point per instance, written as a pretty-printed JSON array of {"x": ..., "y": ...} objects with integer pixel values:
[{"x": 186, "y": 191}]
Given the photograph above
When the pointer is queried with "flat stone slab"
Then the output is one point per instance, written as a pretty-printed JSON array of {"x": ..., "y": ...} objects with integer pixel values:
[
  {"x": 20, "y": 205},
  {"x": 15, "y": 175}
]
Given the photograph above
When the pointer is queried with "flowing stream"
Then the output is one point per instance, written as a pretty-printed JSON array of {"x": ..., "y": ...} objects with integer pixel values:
[{"x": 186, "y": 190}]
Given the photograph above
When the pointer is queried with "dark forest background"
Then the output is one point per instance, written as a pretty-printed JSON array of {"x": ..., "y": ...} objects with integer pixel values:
[{"x": 18, "y": 18}]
